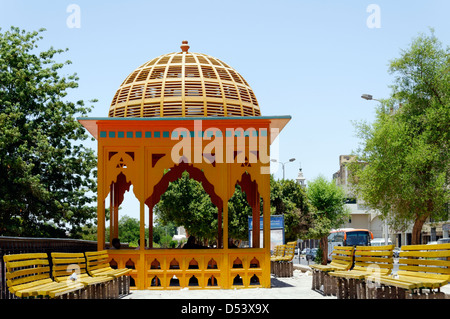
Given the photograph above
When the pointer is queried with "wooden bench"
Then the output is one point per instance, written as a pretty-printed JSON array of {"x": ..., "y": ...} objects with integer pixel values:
[
  {"x": 368, "y": 261},
  {"x": 72, "y": 267},
  {"x": 28, "y": 275},
  {"x": 283, "y": 265},
  {"x": 98, "y": 265},
  {"x": 275, "y": 251},
  {"x": 423, "y": 269},
  {"x": 342, "y": 259},
  {"x": 279, "y": 252}
]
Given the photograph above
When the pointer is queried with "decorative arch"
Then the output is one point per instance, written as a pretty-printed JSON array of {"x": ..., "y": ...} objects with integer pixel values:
[
  {"x": 176, "y": 172},
  {"x": 172, "y": 175},
  {"x": 121, "y": 169},
  {"x": 250, "y": 187}
]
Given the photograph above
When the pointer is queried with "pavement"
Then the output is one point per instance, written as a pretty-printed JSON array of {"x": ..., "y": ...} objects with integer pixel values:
[{"x": 296, "y": 287}]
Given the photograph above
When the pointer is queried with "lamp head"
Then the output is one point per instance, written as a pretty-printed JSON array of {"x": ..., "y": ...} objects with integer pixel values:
[{"x": 367, "y": 97}]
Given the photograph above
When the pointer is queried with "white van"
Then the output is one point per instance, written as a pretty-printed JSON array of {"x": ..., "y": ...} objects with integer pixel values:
[{"x": 380, "y": 242}]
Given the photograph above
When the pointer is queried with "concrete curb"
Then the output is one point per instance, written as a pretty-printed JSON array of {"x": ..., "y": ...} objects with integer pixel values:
[{"x": 302, "y": 268}]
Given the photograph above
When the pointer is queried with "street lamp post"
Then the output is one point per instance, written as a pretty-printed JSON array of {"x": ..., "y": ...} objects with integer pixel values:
[
  {"x": 369, "y": 97},
  {"x": 282, "y": 163}
]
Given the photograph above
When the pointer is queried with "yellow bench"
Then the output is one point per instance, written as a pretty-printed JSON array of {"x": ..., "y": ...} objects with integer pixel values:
[
  {"x": 98, "y": 265},
  {"x": 279, "y": 252},
  {"x": 422, "y": 268},
  {"x": 342, "y": 259},
  {"x": 28, "y": 275},
  {"x": 368, "y": 261},
  {"x": 289, "y": 252},
  {"x": 69, "y": 267},
  {"x": 275, "y": 251},
  {"x": 282, "y": 265}
]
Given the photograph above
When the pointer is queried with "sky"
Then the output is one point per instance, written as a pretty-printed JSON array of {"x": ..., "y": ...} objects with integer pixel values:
[{"x": 308, "y": 59}]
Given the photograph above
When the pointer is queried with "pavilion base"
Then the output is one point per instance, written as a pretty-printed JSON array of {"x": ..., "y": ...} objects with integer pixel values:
[{"x": 162, "y": 269}]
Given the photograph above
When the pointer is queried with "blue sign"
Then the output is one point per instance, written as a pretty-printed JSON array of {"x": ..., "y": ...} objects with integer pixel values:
[
  {"x": 276, "y": 230},
  {"x": 276, "y": 222}
]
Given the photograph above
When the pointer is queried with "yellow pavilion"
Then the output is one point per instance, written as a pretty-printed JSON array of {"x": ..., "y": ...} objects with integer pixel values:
[{"x": 191, "y": 112}]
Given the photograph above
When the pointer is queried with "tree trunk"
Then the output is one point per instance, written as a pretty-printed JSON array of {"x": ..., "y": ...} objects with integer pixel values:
[
  {"x": 417, "y": 229},
  {"x": 324, "y": 247}
]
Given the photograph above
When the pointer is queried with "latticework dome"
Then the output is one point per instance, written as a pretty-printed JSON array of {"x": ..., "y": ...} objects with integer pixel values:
[{"x": 184, "y": 84}]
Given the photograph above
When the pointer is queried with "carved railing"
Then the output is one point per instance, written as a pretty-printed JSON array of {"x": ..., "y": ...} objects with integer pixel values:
[{"x": 194, "y": 268}]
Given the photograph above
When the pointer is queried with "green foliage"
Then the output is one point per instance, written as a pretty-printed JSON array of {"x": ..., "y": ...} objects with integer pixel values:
[
  {"x": 318, "y": 259},
  {"x": 289, "y": 198},
  {"x": 129, "y": 230},
  {"x": 160, "y": 231},
  {"x": 46, "y": 173},
  {"x": 238, "y": 212},
  {"x": 328, "y": 203},
  {"x": 185, "y": 203},
  {"x": 404, "y": 161}
]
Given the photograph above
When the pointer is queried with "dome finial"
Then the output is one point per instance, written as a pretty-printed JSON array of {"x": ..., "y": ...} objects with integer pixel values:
[{"x": 184, "y": 47}]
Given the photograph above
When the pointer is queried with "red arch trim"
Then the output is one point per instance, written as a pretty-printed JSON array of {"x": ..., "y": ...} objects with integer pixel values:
[{"x": 175, "y": 173}]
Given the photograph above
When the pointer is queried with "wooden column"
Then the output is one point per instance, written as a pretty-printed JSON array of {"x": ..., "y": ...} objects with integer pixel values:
[
  {"x": 100, "y": 201},
  {"x": 256, "y": 221}
]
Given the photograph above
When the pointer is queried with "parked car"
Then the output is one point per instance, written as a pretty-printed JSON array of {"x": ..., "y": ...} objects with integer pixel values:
[
  {"x": 439, "y": 241},
  {"x": 380, "y": 242},
  {"x": 305, "y": 251},
  {"x": 312, "y": 254}
]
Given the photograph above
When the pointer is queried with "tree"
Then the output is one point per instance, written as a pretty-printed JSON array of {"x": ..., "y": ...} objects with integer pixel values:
[
  {"x": 238, "y": 212},
  {"x": 46, "y": 173},
  {"x": 163, "y": 234},
  {"x": 129, "y": 230},
  {"x": 186, "y": 203},
  {"x": 328, "y": 202},
  {"x": 403, "y": 163},
  {"x": 289, "y": 198}
]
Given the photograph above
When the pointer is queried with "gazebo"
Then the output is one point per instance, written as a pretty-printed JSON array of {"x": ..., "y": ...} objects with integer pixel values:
[{"x": 189, "y": 112}]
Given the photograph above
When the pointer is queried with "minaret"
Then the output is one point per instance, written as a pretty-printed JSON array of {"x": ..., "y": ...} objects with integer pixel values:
[{"x": 300, "y": 178}]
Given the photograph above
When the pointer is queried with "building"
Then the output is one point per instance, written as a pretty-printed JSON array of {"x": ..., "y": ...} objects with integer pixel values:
[
  {"x": 300, "y": 178},
  {"x": 360, "y": 215},
  {"x": 363, "y": 217}
]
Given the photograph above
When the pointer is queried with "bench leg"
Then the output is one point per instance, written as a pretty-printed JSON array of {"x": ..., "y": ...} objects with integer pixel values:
[
  {"x": 333, "y": 286},
  {"x": 351, "y": 288},
  {"x": 326, "y": 278},
  {"x": 326, "y": 283},
  {"x": 321, "y": 280},
  {"x": 340, "y": 288},
  {"x": 123, "y": 284},
  {"x": 345, "y": 289},
  {"x": 379, "y": 292},
  {"x": 329, "y": 286},
  {"x": 317, "y": 280},
  {"x": 315, "y": 283},
  {"x": 360, "y": 289}
]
